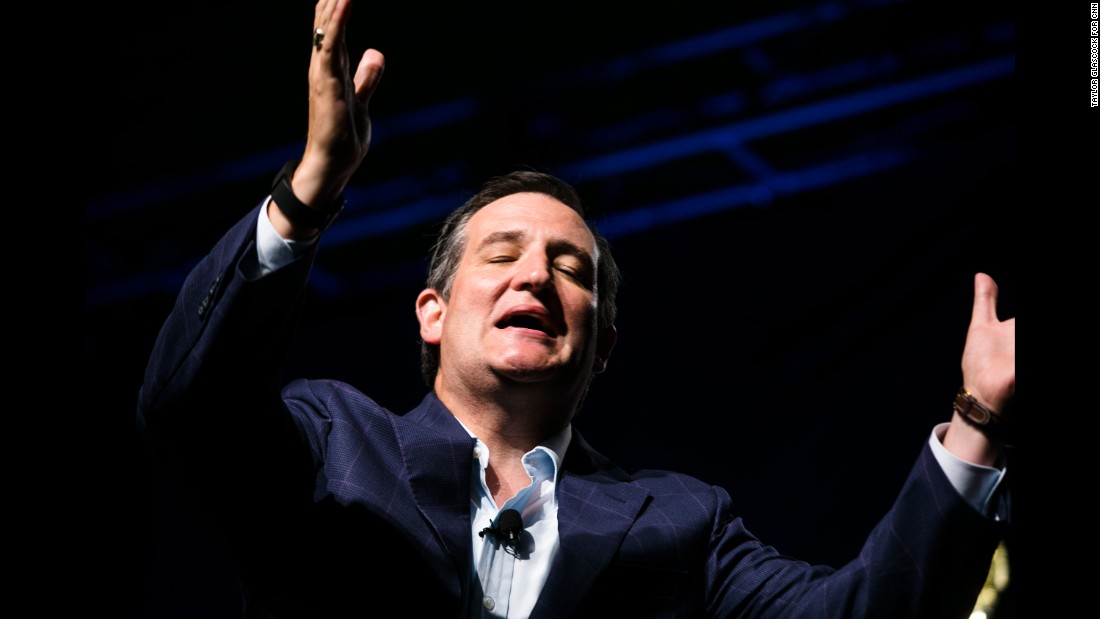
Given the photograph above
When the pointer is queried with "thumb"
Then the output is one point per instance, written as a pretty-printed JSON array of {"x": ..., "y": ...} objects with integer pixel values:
[
  {"x": 368, "y": 74},
  {"x": 985, "y": 299}
]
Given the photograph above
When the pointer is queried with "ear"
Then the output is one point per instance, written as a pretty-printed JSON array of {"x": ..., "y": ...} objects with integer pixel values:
[
  {"x": 430, "y": 309},
  {"x": 605, "y": 341}
]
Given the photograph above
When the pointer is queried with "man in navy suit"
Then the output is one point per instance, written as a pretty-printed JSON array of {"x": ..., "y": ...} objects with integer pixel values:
[{"x": 483, "y": 500}]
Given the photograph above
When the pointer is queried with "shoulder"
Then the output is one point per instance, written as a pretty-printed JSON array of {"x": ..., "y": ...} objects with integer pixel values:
[
  {"x": 330, "y": 395},
  {"x": 327, "y": 405},
  {"x": 670, "y": 480},
  {"x": 675, "y": 487},
  {"x": 662, "y": 485},
  {"x": 690, "y": 504},
  {"x": 345, "y": 408}
]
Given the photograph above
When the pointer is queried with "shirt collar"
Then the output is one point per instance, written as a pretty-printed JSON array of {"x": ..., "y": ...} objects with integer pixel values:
[{"x": 555, "y": 446}]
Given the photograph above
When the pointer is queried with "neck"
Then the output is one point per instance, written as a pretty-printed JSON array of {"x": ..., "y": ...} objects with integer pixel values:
[
  {"x": 511, "y": 422},
  {"x": 518, "y": 417}
]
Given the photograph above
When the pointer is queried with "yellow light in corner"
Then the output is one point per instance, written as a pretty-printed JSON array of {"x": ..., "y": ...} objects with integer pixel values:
[{"x": 995, "y": 582}]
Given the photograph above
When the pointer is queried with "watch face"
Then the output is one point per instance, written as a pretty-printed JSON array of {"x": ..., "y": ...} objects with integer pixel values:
[
  {"x": 967, "y": 408},
  {"x": 978, "y": 415}
]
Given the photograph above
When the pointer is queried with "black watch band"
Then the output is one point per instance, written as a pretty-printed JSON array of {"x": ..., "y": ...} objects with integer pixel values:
[{"x": 297, "y": 211}]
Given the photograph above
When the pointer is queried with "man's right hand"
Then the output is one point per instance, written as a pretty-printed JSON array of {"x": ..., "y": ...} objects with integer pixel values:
[{"x": 339, "y": 123}]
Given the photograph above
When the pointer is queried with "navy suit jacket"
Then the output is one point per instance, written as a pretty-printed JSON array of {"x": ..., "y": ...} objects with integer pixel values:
[{"x": 331, "y": 505}]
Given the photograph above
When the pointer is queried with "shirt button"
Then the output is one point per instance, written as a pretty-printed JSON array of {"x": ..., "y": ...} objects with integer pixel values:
[
  {"x": 477, "y": 453},
  {"x": 488, "y": 603}
]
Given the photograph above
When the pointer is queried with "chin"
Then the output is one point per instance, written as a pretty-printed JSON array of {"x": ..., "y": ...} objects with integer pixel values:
[
  {"x": 539, "y": 373},
  {"x": 527, "y": 374},
  {"x": 527, "y": 370}
]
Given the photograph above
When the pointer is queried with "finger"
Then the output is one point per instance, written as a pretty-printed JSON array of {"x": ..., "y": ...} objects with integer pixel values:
[
  {"x": 323, "y": 12},
  {"x": 368, "y": 74},
  {"x": 985, "y": 299},
  {"x": 329, "y": 18}
]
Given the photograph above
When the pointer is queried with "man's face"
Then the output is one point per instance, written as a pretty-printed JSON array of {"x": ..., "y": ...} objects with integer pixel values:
[{"x": 522, "y": 305}]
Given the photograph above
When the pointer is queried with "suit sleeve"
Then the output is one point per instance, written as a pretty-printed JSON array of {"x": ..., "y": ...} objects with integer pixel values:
[
  {"x": 927, "y": 558},
  {"x": 210, "y": 404}
]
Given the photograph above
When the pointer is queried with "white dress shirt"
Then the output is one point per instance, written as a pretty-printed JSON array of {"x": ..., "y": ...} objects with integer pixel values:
[{"x": 511, "y": 579}]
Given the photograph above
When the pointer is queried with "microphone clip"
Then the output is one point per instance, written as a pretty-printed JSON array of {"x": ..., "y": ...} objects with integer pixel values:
[{"x": 506, "y": 529}]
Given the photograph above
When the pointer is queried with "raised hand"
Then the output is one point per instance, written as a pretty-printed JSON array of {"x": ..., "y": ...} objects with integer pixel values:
[
  {"x": 989, "y": 372},
  {"x": 339, "y": 132},
  {"x": 989, "y": 358}
]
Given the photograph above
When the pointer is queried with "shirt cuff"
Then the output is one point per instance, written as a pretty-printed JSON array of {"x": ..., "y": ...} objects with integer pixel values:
[
  {"x": 977, "y": 484},
  {"x": 273, "y": 252}
]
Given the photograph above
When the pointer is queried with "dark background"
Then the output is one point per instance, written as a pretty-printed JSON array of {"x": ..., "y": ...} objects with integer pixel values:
[{"x": 799, "y": 194}]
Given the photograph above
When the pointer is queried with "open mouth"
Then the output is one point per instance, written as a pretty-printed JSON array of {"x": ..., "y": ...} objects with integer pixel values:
[{"x": 528, "y": 321}]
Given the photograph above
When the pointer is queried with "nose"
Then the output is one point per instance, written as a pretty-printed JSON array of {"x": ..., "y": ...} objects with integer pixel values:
[{"x": 532, "y": 273}]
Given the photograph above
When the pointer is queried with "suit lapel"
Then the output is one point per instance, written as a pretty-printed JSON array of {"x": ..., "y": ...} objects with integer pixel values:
[
  {"x": 438, "y": 460},
  {"x": 595, "y": 510},
  {"x": 595, "y": 507}
]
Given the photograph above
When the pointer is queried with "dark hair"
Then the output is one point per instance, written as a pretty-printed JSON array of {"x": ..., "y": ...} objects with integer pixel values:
[{"x": 451, "y": 243}]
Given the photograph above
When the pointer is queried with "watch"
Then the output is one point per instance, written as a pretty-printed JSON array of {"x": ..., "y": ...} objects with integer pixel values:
[
  {"x": 297, "y": 211},
  {"x": 977, "y": 414}
]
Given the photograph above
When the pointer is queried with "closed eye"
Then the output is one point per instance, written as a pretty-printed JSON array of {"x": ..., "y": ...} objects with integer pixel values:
[
  {"x": 569, "y": 270},
  {"x": 575, "y": 270}
]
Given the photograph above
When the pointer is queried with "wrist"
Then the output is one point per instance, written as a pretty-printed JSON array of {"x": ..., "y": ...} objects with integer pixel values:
[
  {"x": 970, "y": 444},
  {"x": 305, "y": 218},
  {"x": 979, "y": 416}
]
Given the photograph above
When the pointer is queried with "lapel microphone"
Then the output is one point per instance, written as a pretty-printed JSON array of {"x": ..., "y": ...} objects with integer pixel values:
[{"x": 507, "y": 529}]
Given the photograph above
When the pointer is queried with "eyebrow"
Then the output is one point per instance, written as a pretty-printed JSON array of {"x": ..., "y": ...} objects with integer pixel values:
[
  {"x": 560, "y": 246},
  {"x": 502, "y": 236}
]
